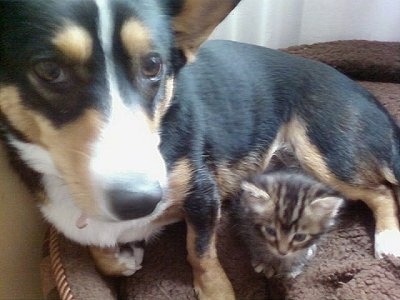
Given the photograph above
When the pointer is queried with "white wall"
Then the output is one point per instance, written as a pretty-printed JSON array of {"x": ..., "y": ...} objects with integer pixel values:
[{"x": 283, "y": 23}]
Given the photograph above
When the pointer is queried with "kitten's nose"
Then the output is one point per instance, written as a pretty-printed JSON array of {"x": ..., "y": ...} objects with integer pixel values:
[{"x": 283, "y": 252}]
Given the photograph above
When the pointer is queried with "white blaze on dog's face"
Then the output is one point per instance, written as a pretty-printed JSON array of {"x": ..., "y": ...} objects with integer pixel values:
[
  {"x": 131, "y": 129},
  {"x": 83, "y": 101}
]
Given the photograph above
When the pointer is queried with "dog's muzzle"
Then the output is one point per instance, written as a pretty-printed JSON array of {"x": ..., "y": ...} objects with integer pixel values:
[
  {"x": 127, "y": 168},
  {"x": 135, "y": 200}
]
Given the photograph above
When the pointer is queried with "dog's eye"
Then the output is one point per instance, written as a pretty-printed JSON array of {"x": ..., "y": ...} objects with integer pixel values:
[
  {"x": 151, "y": 66},
  {"x": 50, "y": 71}
]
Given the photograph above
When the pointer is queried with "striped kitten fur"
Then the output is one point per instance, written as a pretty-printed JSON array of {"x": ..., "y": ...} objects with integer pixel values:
[{"x": 281, "y": 216}]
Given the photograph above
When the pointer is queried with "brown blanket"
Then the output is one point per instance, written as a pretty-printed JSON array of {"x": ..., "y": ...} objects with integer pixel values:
[{"x": 344, "y": 267}]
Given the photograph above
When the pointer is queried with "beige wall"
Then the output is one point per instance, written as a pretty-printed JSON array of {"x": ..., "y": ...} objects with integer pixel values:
[{"x": 21, "y": 236}]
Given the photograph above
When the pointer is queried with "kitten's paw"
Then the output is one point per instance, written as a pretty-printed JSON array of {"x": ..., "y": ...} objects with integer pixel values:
[
  {"x": 258, "y": 266},
  {"x": 311, "y": 251},
  {"x": 387, "y": 242},
  {"x": 269, "y": 273},
  {"x": 294, "y": 274}
]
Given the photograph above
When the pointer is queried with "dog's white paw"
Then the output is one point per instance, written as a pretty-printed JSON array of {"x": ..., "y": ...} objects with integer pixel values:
[
  {"x": 387, "y": 242},
  {"x": 131, "y": 259}
]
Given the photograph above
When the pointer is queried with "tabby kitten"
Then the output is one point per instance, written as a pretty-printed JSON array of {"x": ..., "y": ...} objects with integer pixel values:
[{"x": 281, "y": 216}]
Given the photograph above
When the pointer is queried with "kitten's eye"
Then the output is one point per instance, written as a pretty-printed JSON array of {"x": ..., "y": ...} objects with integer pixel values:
[
  {"x": 50, "y": 72},
  {"x": 269, "y": 230},
  {"x": 151, "y": 66},
  {"x": 299, "y": 237}
]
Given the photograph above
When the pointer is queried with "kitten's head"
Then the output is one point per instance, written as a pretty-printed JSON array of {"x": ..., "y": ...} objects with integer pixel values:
[{"x": 286, "y": 211}]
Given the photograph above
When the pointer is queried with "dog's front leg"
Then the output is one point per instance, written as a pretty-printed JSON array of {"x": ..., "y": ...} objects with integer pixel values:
[
  {"x": 119, "y": 260},
  {"x": 210, "y": 280},
  {"x": 202, "y": 215}
]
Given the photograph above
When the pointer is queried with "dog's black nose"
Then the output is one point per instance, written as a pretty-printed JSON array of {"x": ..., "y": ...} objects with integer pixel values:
[{"x": 136, "y": 200}]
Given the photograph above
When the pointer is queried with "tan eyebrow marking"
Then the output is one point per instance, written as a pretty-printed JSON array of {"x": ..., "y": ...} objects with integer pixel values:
[
  {"x": 135, "y": 38},
  {"x": 74, "y": 42}
]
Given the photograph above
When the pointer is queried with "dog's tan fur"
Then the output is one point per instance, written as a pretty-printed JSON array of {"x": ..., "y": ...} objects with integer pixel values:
[
  {"x": 21, "y": 118},
  {"x": 209, "y": 277},
  {"x": 69, "y": 145},
  {"x": 206, "y": 16},
  {"x": 135, "y": 38},
  {"x": 378, "y": 197},
  {"x": 75, "y": 43}
]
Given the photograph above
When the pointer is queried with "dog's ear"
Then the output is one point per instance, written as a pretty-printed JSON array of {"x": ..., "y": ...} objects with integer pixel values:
[{"x": 194, "y": 20}]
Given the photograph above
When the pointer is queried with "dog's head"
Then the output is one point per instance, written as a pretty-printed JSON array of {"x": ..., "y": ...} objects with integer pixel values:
[{"x": 84, "y": 85}]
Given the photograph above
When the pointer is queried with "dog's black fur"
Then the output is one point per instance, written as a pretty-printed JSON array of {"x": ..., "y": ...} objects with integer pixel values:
[{"x": 231, "y": 108}]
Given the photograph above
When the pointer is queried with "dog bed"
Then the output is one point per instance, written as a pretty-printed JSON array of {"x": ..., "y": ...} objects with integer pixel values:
[{"x": 344, "y": 267}]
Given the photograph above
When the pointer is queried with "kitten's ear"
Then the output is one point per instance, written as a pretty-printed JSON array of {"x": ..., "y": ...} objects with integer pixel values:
[
  {"x": 253, "y": 190},
  {"x": 254, "y": 198},
  {"x": 326, "y": 206},
  {"x": 194, "y": 20}
]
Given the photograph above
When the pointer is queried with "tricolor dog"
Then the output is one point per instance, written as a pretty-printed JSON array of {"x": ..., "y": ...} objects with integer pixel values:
[{"x": 121, "y": 123}]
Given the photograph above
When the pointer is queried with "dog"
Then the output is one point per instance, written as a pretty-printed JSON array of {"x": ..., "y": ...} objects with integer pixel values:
[{"x": 121, "y": 121}]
